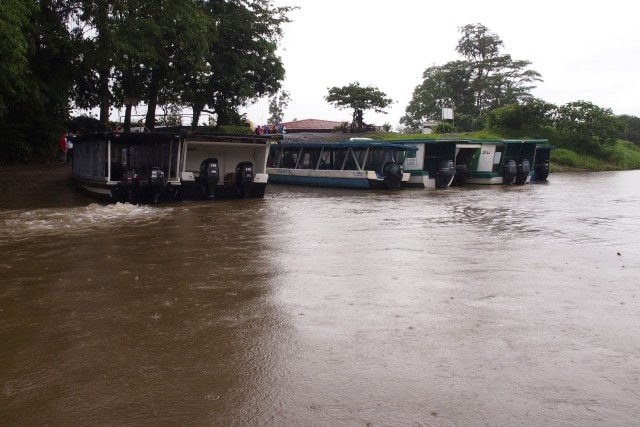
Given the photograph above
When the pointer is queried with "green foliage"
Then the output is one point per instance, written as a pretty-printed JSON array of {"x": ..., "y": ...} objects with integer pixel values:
[
  {"x": 587, "y": 127},
  {"x": 521, "y": 119},
  {"x": 486, "y": 79},
  {"x": 359, "y": 99},
  {"x": 277, "y": 105},
  {"x": 14, "y": 49},
  {"x": 97, "y": 53},
  {"x": 631, "y": 130},
  {"x": 443, "y": 128}
]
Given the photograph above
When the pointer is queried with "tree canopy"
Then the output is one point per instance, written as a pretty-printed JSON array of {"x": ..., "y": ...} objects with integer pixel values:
[
  {"x": 484, "y": 80},
  {"x": 209, "y": 55},
  {"x": 359, "y": 99}
]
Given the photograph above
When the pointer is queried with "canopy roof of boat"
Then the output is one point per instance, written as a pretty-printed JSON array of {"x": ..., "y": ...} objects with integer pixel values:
[
  {"x": 166, "y": 134},
  {"x": 222, "y": 137},
  {"x": 130, "y": 137},
  {"x": 348, "y": 144}
]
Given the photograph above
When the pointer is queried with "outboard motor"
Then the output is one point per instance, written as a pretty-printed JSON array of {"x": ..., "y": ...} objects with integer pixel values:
[
  {"x": 209, "y": 177},
  {"x": 244, "y": 178},
  {"x": 156, "y": 182},
  {"x": 542, "y": 171},
  {"x": 392, "y": 172},
  {"x": 523, "y": 172},
  {"x": 461, "y": 174},
  {"x": 131, "y": 184},
  {"x": 446, "y": 171},
  {"x": 509, "y": 172}
]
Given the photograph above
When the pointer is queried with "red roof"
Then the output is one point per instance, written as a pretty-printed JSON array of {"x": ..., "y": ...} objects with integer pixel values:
[{"x": 311, "y": 125}]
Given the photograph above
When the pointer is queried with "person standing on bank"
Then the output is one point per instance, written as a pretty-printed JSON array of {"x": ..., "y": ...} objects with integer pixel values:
[
  {"x": 69, "y": 152},
  {"x": 62, "y": 145}
]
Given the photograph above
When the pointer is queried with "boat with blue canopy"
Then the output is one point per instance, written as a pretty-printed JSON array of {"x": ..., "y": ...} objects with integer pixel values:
[{"x": 363, "y": 164}]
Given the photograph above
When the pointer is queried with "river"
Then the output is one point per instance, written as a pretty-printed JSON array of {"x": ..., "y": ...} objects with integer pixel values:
[{"x": 493, "y": 306}]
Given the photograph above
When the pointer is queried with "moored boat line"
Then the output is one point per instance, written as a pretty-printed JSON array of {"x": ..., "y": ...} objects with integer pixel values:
[{"x": 185, "y": 165}]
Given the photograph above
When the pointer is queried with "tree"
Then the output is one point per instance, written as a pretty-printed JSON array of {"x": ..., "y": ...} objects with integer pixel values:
[
  {"x": 529, "y": 117},
  {"x": 14, "y": 18},
  {"x": 631, "y": 128},
  {"x": 359, "y": 99},
  {"x": 39, "y": 97},
  {"x": 586, "y": 126},
  {"x": 484, "y": 80},
  {"x": 277, "y": 105},
  {"x": 443, "y": 86},
  {"x": 241, "y": 60}
]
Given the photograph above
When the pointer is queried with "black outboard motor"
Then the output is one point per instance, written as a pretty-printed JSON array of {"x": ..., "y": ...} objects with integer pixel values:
[
  {"x": 131, "y": 189},
  {"x": 209, "y": 177},
  {"x": 446, "y": 171},
  {"x": 244, "y": 178},
  {"x": 392, "y": 172},
  {"x": 509, "y": 172},
  {"x": 461, "y": 174},
  {"x": 156, "y": 183},
  {"x": 542, "y": 170},
  {"x": 523, "y": 172}
]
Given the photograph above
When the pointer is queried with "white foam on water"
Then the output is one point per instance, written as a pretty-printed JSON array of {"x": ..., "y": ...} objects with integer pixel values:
[{"x": 50, "y": 222}]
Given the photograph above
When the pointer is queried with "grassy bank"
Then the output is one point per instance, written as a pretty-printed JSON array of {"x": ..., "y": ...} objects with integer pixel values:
[{"x": 624, "y": 155}]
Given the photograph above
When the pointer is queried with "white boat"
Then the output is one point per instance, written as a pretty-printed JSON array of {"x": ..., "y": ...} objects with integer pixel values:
[
  {"x": 156, "y": 166},
  {"x": 364, "y": 164}
]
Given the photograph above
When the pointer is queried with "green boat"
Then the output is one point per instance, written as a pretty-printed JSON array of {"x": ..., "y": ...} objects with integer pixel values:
[{"x": 504, "y": 162}]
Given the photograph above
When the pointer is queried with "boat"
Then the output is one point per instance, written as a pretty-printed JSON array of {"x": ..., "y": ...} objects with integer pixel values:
[
  {"x": 496, "y": 161},
  {"x": 433, "y": 164},
  {"x": 358, "y": 163},
  {"x": 140, "y": 167}
]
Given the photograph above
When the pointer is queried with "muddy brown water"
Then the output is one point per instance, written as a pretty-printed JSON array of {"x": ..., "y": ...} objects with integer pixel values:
[{"x": 493, "y": 306}]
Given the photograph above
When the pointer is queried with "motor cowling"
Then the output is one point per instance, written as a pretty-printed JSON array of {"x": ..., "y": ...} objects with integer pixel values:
[
  {"x": 542, "y": 171},
  {"x": 244, "y": 178},
  {"x": 445, "y": 172},
  {"x": 209, "y": 177},
  {"x": 392, "y": 172},
  {"x": 523, "y": 169},
  {"x": 510, "y": 169},
  {"x": 461, "y": 174},
  {"x": 157, "y": 183}
]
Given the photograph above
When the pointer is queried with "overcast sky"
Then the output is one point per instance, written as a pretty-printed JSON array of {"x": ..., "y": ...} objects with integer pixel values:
[{"x": 584, "y": 50}]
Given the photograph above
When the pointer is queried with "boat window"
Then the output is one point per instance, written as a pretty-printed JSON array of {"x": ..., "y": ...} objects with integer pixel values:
[
  {"x": 400, "y": 155},
  {"x": 290, "y": 157},
  {"x": 90, "y": 158},
  {"x": 338, "y": 156},
  {"x": 351, "y": 161},
  {"x": 360, "y": 156},
  {"x": 327, "y": 160},
  {"x": 309, "y": 158},
  {"x": 274, "y": 159},
  {"x": 378, "y": 157}
]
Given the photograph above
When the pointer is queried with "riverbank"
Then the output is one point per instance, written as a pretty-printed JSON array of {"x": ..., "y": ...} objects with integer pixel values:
[{"x": 26, "y": 177}]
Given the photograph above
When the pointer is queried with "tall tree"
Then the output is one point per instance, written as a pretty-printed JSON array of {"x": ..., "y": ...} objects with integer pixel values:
[
  {"x": 277, "y": 105},
  {"x": 40, "y": 100},
  {"x": 14, "y": 49},
  {"x": 359, "y": 99},
  {"x": 241, "y": 60},
  {"x": 483, "y": 80}
]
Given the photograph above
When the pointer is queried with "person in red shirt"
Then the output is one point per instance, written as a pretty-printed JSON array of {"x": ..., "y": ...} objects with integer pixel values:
[{"x": 62, "y": 145}]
